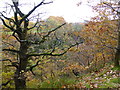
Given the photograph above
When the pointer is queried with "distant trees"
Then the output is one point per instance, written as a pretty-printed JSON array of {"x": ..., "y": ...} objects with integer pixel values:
[
  {"x": 26, "y": 41},
  {"x": 102, "y": 33},
  {"x": 115, "y": 12}
]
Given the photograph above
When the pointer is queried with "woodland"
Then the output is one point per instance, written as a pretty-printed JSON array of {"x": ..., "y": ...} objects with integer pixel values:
[{"x": 53, "y": 53}]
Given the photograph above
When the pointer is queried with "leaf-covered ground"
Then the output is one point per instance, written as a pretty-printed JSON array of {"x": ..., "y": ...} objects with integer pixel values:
[{"x": 107, "y": 77}]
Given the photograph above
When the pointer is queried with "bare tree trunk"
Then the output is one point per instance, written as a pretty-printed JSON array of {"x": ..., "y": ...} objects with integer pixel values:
[
  {"x": 117, "y": 54},
  {"x": 20, "y": 80},
  {"x": 19, "y": 77}
]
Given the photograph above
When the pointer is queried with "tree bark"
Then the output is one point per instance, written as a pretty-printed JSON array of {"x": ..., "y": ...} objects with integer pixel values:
[
  {"x": 19, "y": 77},
  {"x": 20, "y": 80},
  {"x": 117, "y": 58}
]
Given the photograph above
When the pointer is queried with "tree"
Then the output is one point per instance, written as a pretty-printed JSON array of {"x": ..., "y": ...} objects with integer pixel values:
[
  {"x": 116, "y": 10},
  {"x": 28, "y": 37},
  {"x": 104, "y": 29},
  {"x": 117, "y": 55}
]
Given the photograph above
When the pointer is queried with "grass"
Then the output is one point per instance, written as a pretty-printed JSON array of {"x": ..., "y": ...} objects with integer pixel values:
[
  {"x": 106, "y": 77},
  {"x": 57, "y": 83},
  {"x": 115, "y": 80}
]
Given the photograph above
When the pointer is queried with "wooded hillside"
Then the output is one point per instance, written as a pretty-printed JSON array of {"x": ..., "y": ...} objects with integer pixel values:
[{"x": 53, "y": 53}]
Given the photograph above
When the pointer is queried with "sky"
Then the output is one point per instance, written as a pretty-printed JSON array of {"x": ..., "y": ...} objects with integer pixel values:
[
  {"x": 71, "y": 11},
  {"x": 68, "y": 9}
]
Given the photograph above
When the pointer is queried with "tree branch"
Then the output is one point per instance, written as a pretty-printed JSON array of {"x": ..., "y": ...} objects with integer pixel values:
[
  {"x": 3, "y": 21},
  {"x": 25, "y": 16},
  {"x": 51, "y": 53},
  {"x": 43, "y": 39},
  {"x": 31, "y": 68},
  {"x": 111, "y": 7},
  {"x": 8, "y": 43},
  {"x": 4, "y": 84},
  {"x": 6, "y": 60},
  {"x": 11, "y": 50},
  {"x": 33, "y": 26},
  {"x": 45, "y": 36},
  {"x": 13, "y": 64},
  {"x": 15, "y": 36},
  {"x": 9, "y": 19}
]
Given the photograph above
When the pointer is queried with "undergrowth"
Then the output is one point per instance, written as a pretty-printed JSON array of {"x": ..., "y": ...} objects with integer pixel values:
[{"x": 106, "y": 77}]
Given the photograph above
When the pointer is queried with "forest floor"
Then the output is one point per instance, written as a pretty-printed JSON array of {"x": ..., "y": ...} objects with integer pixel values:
[{"x": 107, "y": 77}]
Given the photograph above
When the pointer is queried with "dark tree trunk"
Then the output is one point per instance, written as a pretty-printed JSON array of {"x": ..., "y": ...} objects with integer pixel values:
[
  {"x": 117, "y": 58},
  {"x": 117, "y": 54},
  {"x": 19, "y": 77},
  {"x": 20, "y": 80}
]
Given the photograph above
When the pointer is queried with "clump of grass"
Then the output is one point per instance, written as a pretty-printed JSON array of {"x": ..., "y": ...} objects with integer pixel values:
[
  {"x": 57, "y": 83},
  {"x": 115, "y": 80}
]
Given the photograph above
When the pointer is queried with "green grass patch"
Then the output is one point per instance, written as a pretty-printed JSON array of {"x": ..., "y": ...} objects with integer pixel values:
[
  {"x": 115, "y": 80},
  {"x": 57, "y": 83},
  {"x": 87, "y": 85},
  {"x": 116, "y": 68}
]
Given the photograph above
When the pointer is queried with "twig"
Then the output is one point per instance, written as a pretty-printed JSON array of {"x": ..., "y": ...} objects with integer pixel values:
[
  {"x": 31, "y": 68},
  {"x": 27, "y": 15},
  {"x": 11, "y": 50},
  {"x": 4, "y": 84},
  {"x": 43, "y": 39},
  {"x": 13, "y": 64}
]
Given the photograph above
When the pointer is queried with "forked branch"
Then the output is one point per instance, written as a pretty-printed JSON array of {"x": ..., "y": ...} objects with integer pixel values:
[
  {"x": 27, "y": 15},
  {"x": 13, "y": 64},
  {"x": 31, "y": 68},
  {"x": 6, "y": 83},
  {"x": 113, "y": 8},
  {"x": 43, "y": 39},
  {"x": 5, "y": 24},
  {"x": 51, "y": 53},
  {"x": 47, "y": 35}
]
